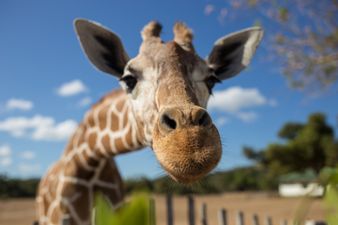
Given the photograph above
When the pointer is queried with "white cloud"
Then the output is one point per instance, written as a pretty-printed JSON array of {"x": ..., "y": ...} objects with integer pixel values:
[
  {"x": 57, "y": 132},
  {"x": 5, "y": 162},
  {"x": 27, "y": 155},
  {"x": 29, "y": 168},
  {"x": 5, "y": 155},
  {"x": 19, "y": 126},
  {"x": 71, "y": 88},
  {"x": 85, "y": 101},
  {"x": 235, "y": 100},
  {"x": 38, "y": 128},
  {"x": 247, "y": 116},
  {"x": 5, "y": 151},
  {"x": 20, "y": 104}
]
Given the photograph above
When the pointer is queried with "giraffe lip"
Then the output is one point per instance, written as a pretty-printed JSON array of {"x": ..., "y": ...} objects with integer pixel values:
[
  {"x": 188, "y": 172},
  {"x": 188, "y": 154},
  {"x": 188, "y": 176}
]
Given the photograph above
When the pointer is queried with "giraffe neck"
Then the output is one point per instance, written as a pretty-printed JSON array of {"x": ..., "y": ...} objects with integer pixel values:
[
  {"x": 86, "y": 167},
  {"x": 108, "y": 129}
]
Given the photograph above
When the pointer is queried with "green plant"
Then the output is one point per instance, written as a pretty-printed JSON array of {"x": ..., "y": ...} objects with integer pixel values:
[
  {"x": 136, "y": 211},
  {"x": 330, "y": 177}
]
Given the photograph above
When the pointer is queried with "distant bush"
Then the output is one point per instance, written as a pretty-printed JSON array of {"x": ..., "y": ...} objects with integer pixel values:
[
  {"x": 17, "y": 188},
  {"x": 238, "y": 179}
]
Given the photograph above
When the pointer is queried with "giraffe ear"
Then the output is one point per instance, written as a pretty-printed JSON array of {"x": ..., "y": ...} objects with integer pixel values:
[
  {"x": 103, "y": 48},
  {"x": 232, "y": 53}
]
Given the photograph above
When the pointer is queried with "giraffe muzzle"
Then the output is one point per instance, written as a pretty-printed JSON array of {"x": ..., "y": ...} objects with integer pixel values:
[{"x": 186, "y": 143}]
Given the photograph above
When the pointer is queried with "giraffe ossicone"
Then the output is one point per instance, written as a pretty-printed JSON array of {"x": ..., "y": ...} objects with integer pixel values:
[{"x": 162, "y": 104}]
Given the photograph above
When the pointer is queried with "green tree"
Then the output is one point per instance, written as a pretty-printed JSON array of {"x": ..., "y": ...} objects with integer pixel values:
[
  {"x": 310, "y": 145},
  {"x": 290, "y": 131}
]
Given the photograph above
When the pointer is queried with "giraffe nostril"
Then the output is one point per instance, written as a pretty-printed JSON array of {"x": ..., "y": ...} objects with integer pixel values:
[
  {"x": 201, "y": 118},
  {"x": 204, "y": 120},
  {"x": 169, "y": 122}
]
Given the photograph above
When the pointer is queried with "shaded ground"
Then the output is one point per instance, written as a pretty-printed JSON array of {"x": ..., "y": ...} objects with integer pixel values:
[{"x": 22, "y": 211}]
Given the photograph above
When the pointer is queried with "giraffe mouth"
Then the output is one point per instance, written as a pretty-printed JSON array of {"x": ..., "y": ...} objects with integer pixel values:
[
  {"x": 188, "y": 154},
  {"x": 189, "y": 174}
]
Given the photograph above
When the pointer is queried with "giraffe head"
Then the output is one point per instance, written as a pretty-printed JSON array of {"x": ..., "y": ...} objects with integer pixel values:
[{"x": 169, "y": 85}]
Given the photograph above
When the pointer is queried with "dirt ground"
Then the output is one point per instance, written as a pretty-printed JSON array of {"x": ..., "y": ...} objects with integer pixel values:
[
  {"x": 262, "y": 204},
  {"x": 22, "y": 211}
]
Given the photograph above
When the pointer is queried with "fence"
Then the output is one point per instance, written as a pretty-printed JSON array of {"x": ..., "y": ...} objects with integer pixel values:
[{"x": 223, "y": 217}]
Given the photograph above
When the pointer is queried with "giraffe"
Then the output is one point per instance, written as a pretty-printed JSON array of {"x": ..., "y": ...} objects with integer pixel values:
[{"x": 162, "y": 104}]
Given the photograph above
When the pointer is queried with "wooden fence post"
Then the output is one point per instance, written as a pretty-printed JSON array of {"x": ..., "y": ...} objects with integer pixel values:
[
  {"x": 222, "y": 217},
  {"x": 240, "y": 218},
  {"x": 204, "y": 217},
  {"x": 170, "y": 214},
  {"x": 268, "y": 220},
  {"x": 191, "y": 210},
  {"x": 255, "y": 219},
  {"x": 152, "y": 214}
]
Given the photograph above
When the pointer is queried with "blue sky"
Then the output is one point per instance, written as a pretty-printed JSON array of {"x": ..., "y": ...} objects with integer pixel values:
[{"x": 46, "y": 83}]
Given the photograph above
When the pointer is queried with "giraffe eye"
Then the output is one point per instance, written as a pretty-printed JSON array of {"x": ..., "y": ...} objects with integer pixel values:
[
  {"x": 211, "y": 81},
  {"x": 129, "y": 81}
]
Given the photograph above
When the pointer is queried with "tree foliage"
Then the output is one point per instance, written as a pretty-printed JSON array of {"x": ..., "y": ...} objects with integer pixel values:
[
  {"x": 310, "y": 145},
  {"x": 302, "y": 35},
  {"x": 290, "y": 130}
]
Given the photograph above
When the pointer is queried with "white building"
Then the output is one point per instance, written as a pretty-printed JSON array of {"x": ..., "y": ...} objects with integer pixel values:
[
  {"x": 298, "y": 189},
  {"x": 300, "y": 184}
]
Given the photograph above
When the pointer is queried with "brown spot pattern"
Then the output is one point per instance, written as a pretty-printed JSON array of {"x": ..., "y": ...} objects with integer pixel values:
[
  {"x": 103, "y": 118},
  {"x": 92, "y": 140}
]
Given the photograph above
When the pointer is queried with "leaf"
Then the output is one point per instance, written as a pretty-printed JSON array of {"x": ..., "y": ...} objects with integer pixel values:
[
  {"x": 283, "y": 14},
  {"x": 134, "y": 212},
  {"x": 103, "y": 212}
]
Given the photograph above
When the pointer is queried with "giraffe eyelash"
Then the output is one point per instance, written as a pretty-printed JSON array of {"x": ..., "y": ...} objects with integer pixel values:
[{"x": 211, "y": 81}]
